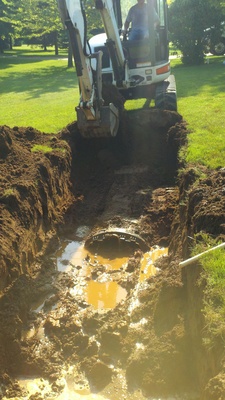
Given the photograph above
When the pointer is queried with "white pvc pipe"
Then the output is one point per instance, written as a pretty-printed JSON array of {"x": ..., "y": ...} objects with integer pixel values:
[{"x": 193, "y": 259}]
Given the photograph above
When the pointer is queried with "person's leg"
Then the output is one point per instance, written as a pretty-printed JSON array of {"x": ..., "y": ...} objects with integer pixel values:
[{"x": 136, "y": 34}]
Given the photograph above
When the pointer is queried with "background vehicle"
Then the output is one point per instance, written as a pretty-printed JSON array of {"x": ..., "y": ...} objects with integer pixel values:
[
  {"x": 136, "y": 69},
  {"x": 215, "y": 40}
]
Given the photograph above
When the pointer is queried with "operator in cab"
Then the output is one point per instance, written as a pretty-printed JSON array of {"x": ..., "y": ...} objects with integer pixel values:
[{"x": 138, "y": 18}]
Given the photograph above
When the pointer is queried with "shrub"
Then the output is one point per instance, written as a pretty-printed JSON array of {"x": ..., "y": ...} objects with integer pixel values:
[{"x": 188, "y": 20}]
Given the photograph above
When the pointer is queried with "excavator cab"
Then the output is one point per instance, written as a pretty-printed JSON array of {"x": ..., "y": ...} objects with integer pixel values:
[
  {"x": 156, "y": 46},
  {"x": 146, "y": 72},
  {"x": 133, "y": 68}
]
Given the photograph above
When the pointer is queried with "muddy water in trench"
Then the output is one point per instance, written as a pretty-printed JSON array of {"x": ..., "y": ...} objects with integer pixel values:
[
  {"x": 95, "y": 285},
  {"x": 82, "y": 346}
]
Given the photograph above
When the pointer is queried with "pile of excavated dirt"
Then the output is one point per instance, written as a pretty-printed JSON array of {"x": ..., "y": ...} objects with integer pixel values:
[
  {"x": 148, "y": 347},
  {"x": 35, "y": 192}
]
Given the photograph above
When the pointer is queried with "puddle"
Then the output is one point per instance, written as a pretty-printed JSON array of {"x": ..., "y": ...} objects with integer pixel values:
[
  {"x": 101, "y": 292},
  {"x": 95, "y": 277},
  {"x": 34, "y": 386},
  {"x": 71, "y": 254},
  {"x": 147, "y": 265},
  {"x": 41, "y": 388},
  {"x": 94, "y": 271},
  {"x": 105, "y": 295}
]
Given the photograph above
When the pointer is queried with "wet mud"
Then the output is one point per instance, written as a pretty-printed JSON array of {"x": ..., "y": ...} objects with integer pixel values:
[{"x": 60, "y": 337}]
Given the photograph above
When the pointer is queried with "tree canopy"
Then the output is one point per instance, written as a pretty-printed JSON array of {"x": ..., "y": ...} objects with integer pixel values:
[
  {"x": 27, "y": 19},
  {"x": 38, "y": 21},
  {"x": 188, "y": 21}
]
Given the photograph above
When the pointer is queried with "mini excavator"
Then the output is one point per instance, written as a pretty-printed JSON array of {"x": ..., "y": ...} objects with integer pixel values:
[{"x": 109, "y": 60}]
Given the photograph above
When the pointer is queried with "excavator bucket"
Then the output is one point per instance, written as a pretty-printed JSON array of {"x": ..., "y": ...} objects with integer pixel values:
[{"x": 105, "y": 126}]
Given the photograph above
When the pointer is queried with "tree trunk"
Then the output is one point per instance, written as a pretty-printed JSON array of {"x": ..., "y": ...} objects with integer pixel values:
[
  {"x": 1, "y": 46},
  {"x": 10, "y": 42},
  {"x": 44, "y": 43},
  {"x": 70, "y": 56},
  {"x": 56, "y": 43}
]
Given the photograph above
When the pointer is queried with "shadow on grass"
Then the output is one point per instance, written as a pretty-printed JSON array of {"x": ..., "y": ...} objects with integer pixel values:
[
  {"x": 27, "y": 50},
  {"x": 49, "y": 79},
  {"x": 191, "y": 79},
  {"x": 9, "y": 61}
]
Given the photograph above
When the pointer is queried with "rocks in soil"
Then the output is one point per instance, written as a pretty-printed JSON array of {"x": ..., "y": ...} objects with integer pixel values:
[{"x": 99, "y": 375}]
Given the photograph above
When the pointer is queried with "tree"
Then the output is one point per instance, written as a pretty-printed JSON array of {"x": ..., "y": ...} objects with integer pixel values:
[
  {"x": 40, "y": 22},
  {"x": 93, "y": 17},
  {"x": 37, "y": 21},
  {"x": 188, "y": 19},
  {"x": 3, "y": 27},
  {"x": 221, "y": 3},
  {"x": 8, "y": 10}
]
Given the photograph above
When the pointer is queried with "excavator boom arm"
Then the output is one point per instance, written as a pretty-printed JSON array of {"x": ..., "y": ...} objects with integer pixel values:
[
  {"x": 113, "y": 41},
  {"x": 94, "y": 119}
]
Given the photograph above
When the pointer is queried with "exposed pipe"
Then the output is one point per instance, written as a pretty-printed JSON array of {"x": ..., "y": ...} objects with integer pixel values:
[{"x": 193, "y": 259}]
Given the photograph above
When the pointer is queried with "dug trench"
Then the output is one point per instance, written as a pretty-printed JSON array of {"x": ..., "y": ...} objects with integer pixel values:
[{"x": 62, "y": 189}]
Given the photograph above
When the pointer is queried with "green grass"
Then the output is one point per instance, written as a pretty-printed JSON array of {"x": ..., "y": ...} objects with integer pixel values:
[
  {"x": 9, "y": 192},
  {"x": 214, "y": 291},
  {"x": 34, "y": 50},
  {"x": 201, "y": 102},
  {"x": 37, "y": 91},
  {"x": 45, "y": 149},
  {"x": 41, "y": 148},
  {"x": 214, "y": 295}
]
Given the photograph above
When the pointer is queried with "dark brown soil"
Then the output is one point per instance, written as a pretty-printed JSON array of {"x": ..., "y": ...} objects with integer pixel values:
[{"x": 129, "y": 183}]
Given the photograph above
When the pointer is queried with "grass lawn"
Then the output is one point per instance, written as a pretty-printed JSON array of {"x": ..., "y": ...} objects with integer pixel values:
[
  {"x": 37, "y": 89},
  {"x": 35, "y": 50},
  {"x": 201, "y": 102}
]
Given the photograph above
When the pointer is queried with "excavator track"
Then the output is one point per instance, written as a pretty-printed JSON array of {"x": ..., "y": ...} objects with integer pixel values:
[{"x": 166, "y": 96}]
